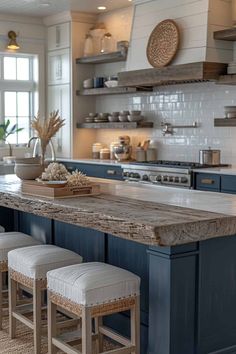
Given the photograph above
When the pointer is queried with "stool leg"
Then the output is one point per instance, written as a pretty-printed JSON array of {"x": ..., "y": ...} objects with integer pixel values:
[
  {"x": 52, "y": 326},
  {"x": 135, "y": 325},
  {"x": 37, "y": 294},
  {"x": 86, "y": 331},
  {"x": 12, "y": 293},
  {"x": 1, "y": 299},
  {"x": 99, "y": 341}
]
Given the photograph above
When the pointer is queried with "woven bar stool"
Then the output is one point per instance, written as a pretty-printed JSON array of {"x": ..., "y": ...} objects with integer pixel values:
[
  {"x": 10, "y": 241},
  {"x": 91, "y": 291},
  {"x": 28, "y": 267}
]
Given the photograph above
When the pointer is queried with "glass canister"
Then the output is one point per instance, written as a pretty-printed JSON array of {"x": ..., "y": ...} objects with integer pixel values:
[
  {"x": 105, "y": 154},
  {"x": 96, "y": 148},
  {"x": 107, "y": 43},
  {"x": 88, "y": 46}
]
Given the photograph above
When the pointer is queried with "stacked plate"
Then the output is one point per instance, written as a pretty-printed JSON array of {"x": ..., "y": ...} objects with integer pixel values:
[
  {"x": 231, "y": 68},
  {"x": 230, "y": 111},
  {"x": 101, "y": 118}
]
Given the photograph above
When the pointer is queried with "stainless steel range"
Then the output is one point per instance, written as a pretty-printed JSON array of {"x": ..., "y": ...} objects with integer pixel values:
[{"x": 170, "y": 173}]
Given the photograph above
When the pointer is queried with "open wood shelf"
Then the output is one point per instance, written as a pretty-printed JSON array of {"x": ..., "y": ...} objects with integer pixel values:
[
  {"x": 226, "y": 35},
  {"x": 103, "y": 58},
  {"x": 111, "y": 91},
  {"x": 116, "y": 125},
  {"x": 225, "y": 122},
  {"x": 227, "y": 80}
]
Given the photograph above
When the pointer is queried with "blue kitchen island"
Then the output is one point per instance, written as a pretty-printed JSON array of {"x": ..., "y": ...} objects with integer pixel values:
[{"x": 185, "y": 256}]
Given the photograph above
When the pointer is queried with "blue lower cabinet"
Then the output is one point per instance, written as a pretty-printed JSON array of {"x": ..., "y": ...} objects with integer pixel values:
[
  {"x": 90, "y": 244},
  {"x": 8, "y": 219},
  {"x": 207, "y": 182},
  {"x": 96, "y": 170},
  {"x": 228, "y": 184}
]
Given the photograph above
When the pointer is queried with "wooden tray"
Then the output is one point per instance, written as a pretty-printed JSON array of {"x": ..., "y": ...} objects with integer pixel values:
[{"x": 39, "y": 189}]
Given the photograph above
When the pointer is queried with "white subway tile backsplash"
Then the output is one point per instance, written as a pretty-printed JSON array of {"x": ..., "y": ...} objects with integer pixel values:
[{"x": 178, "y": 105}]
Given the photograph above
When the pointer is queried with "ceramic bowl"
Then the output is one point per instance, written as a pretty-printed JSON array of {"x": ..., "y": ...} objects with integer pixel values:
[
  {"x": 111, "y": 83},
  {"x": 115, "y": 114},
  {"x": 92, "y": 115},
  {"x": 123, "y": 118},
  {"x": 113, "y": 118},
  {"x": 103, "y": 115},
  {"x": 135, "y": 113},
  {"x": 124, "y": 113},
  {"x": 134, "y": 118},
  {"x": 28, "y": 171},
  {"x": 88, "y": 83}
]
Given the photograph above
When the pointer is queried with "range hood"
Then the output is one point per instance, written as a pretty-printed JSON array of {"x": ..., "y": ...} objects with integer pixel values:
[{"x": 174, "y": 74}]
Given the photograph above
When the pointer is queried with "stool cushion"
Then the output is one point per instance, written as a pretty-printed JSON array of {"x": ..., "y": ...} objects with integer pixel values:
[
  {"x": 34, "y": 262},
  {"x": 93, "y": 283},
  {"x": 12, "y": 240}
]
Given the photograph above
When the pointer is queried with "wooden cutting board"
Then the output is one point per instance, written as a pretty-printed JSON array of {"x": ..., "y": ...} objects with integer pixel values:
[{"x": 39, "y": 189}]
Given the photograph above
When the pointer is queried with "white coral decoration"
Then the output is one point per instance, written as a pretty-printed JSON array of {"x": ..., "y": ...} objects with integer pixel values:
[
  {"x": 55, "y": 172},
  {"x": 77, "y": 178}
]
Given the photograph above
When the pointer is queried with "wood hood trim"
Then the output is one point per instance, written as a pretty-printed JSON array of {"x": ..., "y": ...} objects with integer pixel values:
[{"x": 174, "y": 74}]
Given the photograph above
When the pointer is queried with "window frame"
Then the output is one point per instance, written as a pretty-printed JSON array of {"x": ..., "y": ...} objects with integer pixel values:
[{"x": 18, "y": 86}]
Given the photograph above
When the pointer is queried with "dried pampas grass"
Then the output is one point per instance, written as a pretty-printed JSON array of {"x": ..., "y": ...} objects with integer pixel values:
[{"x": 47, "y": 128}]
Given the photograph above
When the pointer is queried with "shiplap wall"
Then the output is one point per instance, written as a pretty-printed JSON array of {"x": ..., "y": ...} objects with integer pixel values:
[
  {"x": 31, "y": 38},
  {"x": 196, "y": 19}
]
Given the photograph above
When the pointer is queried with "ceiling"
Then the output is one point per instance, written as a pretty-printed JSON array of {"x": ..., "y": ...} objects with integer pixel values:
[{"x": 42, "y": 8}]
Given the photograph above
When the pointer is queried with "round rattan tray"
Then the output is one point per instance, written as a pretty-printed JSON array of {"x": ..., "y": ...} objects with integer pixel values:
[{"x": 163, "y": 43}]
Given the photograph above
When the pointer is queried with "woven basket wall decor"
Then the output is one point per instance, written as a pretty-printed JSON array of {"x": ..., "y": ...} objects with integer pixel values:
[{"x": 163, "y": 43}]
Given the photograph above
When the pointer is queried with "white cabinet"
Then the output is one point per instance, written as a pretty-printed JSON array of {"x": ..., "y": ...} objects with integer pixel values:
[
  {"x": 59, "y": 98},
  {"x": 59, "y": 67},
  {"x": 59, "y": 36}
]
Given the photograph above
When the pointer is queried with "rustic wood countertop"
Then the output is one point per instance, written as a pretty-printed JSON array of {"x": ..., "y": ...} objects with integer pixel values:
[{"x": 136, "y": 218}]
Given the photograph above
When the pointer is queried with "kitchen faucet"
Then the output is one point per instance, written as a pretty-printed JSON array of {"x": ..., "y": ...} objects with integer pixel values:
[{"x": 36, "y": 145}]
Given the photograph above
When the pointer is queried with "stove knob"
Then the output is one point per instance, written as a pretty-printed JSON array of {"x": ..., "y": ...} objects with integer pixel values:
[
  {"x": 145, "y": 178},
  {"x": 158, "y": 178},
  {"x": 176, "y": 179},
  {"x": 184, "y": 180},
  {"x": 165, "y": 178},
  {"x": 131, "y": 175},
  {"x": 136, "y": 175},
  {"x": 171, "y": 179},
  {"x": 125, "y": 174}
]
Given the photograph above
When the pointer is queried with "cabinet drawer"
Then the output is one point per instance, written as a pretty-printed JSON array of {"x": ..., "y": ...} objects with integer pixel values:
[
  {"x": 228, "y": 184},
  {"x": 208, "y": 182},
  {"x": 113, "y": 172}
]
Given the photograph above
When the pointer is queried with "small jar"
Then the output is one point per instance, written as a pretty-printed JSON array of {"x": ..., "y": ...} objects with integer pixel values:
[
  {"x": 96, "y": 147},
  {"x": 105, "y": 154}
]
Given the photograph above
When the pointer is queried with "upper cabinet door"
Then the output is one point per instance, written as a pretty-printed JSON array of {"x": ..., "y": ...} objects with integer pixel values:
[
  {"x": 59, "y": 36},
  {"x": 59, "y": 67}
]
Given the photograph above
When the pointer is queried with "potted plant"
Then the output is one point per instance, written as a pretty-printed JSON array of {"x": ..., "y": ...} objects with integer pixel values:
[{"x": 6, "y": 131}]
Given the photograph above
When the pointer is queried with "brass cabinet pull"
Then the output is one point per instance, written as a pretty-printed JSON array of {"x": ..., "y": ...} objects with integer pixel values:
[
  {"x": 207, "y": 181},
  {"x": 111, "y": 172}
]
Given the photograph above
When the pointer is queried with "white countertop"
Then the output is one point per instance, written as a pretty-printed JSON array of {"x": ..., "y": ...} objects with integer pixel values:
[
  {"x": 218, "y": 170},
  {"x": 94, "y": 161},
  {"x": 179, "y": 197}
]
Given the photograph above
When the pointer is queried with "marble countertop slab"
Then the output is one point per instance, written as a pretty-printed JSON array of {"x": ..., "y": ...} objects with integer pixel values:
[{"x": 150, "y": 215}]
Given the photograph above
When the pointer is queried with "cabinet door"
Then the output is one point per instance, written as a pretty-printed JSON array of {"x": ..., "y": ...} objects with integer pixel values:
[
  {"x": 59, "y": 67},
  {"x": 208, "y": 182},
  {"x": 59, "y": 36},
  {"x": 59, "y": 98},
  {"x": 228, "y": 184}
]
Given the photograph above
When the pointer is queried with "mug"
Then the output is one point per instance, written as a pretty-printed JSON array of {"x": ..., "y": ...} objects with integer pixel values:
[{"x": 98, "y": 82}]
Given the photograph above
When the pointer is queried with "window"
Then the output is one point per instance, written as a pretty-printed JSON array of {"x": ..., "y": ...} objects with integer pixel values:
[{"x": 17, "y": 88}]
